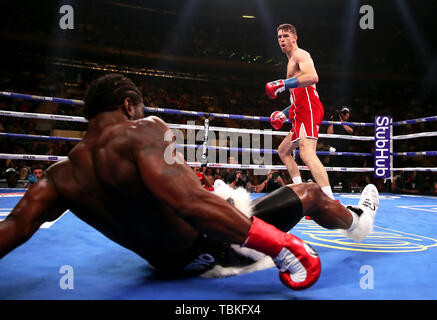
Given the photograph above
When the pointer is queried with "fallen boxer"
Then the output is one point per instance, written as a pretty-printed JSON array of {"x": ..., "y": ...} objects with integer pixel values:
[{"x": 158, "y": 209}]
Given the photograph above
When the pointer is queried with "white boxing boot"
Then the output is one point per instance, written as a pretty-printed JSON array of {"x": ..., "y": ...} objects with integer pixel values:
[{"x": 364, "y": 214}]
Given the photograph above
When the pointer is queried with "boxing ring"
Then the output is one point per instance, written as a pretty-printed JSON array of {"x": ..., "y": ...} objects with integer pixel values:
[{"x": 67, "y": 259}]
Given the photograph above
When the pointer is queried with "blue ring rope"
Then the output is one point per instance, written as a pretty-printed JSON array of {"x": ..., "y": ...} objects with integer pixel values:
[{"x": 168, "y": 110}]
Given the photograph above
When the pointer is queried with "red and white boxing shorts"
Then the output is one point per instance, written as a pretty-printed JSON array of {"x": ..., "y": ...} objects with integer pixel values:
[{"x": 306, "y": 113}]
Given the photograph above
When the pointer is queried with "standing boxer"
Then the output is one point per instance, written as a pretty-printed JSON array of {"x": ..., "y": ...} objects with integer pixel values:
[{"x": 305, "y": 112}]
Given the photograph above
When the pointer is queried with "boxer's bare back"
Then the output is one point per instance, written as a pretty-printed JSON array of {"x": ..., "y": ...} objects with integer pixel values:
[{"x": 117, "y": 180}]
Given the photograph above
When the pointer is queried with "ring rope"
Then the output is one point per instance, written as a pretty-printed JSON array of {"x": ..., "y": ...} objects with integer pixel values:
[
  {"x": 413, "y": 121},
  {"x": 38, "y": 137},
  {"x": 415, "y": 135},
  {"x": 57, "y": 138},
  {"x": 42, "y": 116},
  {"x": 57, "y": 117},
  {"x": 266, "y": 132},
  {"x": 35, "y": 157},
  {"x": 217, "y": 165},
  {"x": 41, "y": 98},
  {"x": 243, "y": 117},
  {"x": 210, "y": 164},
  {"x": 324, "y": 153},
  {"x": 167, "y": 110},
  {"x": 412, "y": 154}
]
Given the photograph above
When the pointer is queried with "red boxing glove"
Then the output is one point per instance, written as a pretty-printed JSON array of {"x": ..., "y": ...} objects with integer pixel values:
[
  {"x": 274, "y": 88},
  {"x": 298, "y": 262},
  {"x": 276, "y": 123}
]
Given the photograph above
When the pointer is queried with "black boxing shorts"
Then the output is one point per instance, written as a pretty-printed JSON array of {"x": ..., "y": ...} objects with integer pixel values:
[
  {"x": 207, "y": 253},
  {"x": 204, "y": 255},
  {"x": 281, "y": 208}
]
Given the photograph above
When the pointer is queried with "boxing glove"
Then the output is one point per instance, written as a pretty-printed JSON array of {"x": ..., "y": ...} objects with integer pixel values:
[
  {"x": 298, "y": 262},
  {"x": 277, "y": 121},
  {"x": 275, "y": 87}
]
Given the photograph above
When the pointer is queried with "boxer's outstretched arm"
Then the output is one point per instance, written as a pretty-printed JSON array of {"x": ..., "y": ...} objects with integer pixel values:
[
  {"x": 38, "y": 205},
  {"x": 177, "y": 185}
]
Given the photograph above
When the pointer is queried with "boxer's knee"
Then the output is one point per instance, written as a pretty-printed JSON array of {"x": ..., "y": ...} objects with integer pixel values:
[
  {"x": 307, "y": 154},
  {"x": 314, "y": 191},
  {"x": 312, "y": 197},
  {"x": 284, "y": 150}
]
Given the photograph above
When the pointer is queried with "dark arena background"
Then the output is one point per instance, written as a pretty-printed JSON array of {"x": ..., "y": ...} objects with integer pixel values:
[{"x": 205, "y": 63}]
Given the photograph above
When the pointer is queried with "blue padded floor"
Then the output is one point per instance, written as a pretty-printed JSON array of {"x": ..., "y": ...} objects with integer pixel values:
[{"x": 397, "y": 261}]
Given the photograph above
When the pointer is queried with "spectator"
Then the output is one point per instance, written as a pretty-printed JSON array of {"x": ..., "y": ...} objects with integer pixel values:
[
  {"x": 231, "y": 179},
  {"x": 428, "y": 187},
  {"x": 434, "y": 189},
  {"x": 241, "y": 178},
  {"x": 236, "y": 179},
  {"x": 342, "y": 115},
  {"x": 272, "y": 181},
  {"x": 200, "y": 173},
  {"x": 209, "y": 182},
  {"x": 339, "y": 145},
  {"x": 36, "y": 173},
  {"x": 12, "y": 177},
  {"x": 23, "y": 173},
  {"x": 218, "y": 176},
  {"x": 408, "y": 182},
  {"x": 229, "y": 173}
]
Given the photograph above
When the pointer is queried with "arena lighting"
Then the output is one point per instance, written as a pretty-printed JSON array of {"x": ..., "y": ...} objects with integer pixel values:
[
  {"x": 266, "y": 18},
  {"x": 347, "y": 46},
  {"x": 421, "y": 48},
  {"x": 248, "y": 16},
  {"x": 268, "y": 27},
  {"x": 414, "y": 35},
  {"x": 349, "y": 30},
  {"x": 182, "y": 24},
  {"x": 135, "y": 7}
]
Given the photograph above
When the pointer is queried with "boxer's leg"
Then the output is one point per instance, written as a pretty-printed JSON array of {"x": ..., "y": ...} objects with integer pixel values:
[
  {"x": 325, "y": 211},
  {"x": 310, "y": 115},
  {"x": 307, "y": 147},
  {"x": 281, "y": 208},
  {"x": 284, "y": 151},
  {"x": 286, "y": 206}
]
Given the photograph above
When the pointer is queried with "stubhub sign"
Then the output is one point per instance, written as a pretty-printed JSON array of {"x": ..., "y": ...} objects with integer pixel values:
[{"x": 382, "y": 159}]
